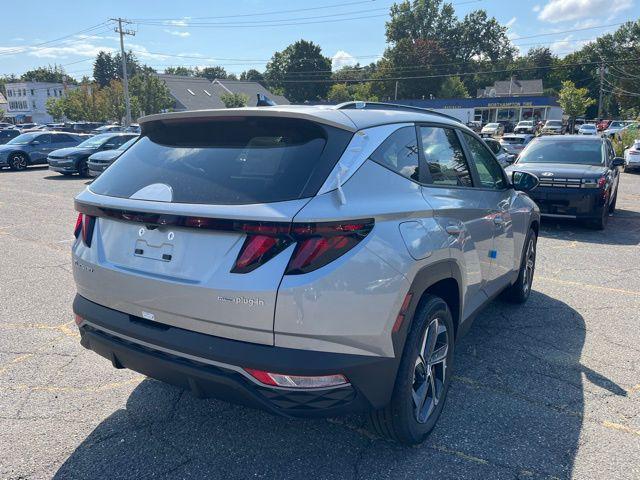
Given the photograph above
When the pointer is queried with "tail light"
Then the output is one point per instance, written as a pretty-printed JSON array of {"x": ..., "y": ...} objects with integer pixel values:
[
  {"x": 84, "y": 226},
  {"x": 297, "y": 381},
  {"x": 317, "y": 244}
]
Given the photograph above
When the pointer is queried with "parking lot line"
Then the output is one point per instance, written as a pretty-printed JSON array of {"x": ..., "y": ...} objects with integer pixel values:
[{"x": 590, "y": 286}]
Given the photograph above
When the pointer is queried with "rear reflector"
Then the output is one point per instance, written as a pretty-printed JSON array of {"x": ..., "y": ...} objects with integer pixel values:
[
  {"x": 78, "y": 319},
  {"x": 297, "y": 381},
  {"x": 403, "y": 312}
]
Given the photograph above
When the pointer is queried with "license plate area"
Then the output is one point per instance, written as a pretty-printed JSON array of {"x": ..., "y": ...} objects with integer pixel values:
[{"x": 154, "y": 245}]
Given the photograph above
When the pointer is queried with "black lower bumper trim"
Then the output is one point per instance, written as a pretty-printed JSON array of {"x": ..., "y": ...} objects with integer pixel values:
[{"x": 179, "y": 357}]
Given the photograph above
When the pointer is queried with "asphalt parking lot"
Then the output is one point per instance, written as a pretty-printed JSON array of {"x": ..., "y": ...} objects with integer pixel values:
[{"x": 546, "y": 390}]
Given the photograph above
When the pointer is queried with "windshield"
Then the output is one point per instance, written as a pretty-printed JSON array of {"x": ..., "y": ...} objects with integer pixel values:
[
  {"x": 96, "y": 141},
  {"x": 553, "y": 123},
  {"x": 565, "y": 151},
  {"x": 127, "y": 144},
  {"x": 616, "y": 124},
  {"x": 492, "y": 125},
  {"x": 525, "y": 123},
  {"x": 24, "y": 138},
  {"x": 227, "y": 161},
  {"x": 588, "y": 127}
]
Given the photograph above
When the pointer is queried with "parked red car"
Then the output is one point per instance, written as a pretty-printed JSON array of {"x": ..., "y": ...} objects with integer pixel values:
[{"x": 603, "y": 125}]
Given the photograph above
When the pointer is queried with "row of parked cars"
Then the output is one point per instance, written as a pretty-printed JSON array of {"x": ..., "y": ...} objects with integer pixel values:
[
  {"x": 64, "y": 152},
  {"x": 70, "y": 127},
  {"x": 607, "y": 128}
]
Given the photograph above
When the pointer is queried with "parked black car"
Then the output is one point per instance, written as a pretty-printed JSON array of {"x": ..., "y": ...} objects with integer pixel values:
[
  {"x": 8, "y": 134},
  {"x": 578, "y": 175},
  {"x": 74, "y": 160},
  {"x": 99, "y": 161}
]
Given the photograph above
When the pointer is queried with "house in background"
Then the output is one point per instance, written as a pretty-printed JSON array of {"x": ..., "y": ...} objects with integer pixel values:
[
  {"x": 27, "y": 101},
  {"x": 512, "y": 88},
  {"x": 3, "y": 106},
  {"x": 197, "y": 93}
]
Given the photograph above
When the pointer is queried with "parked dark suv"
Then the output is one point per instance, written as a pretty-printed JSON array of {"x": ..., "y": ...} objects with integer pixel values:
[
  {"x": 8, "y": 134},
  {"x": 74, "y": 160},
  {"x": 578, "y": 175}
]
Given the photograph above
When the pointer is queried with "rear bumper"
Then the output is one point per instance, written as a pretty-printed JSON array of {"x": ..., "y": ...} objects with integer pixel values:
[
  {"x": 62, "y": 166},
  {"x": 211, "y": 366},
  {"x": 568, "y": 202}
]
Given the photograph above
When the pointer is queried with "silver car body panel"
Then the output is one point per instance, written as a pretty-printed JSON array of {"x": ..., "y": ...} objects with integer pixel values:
[{"x": 347, "y": 306}]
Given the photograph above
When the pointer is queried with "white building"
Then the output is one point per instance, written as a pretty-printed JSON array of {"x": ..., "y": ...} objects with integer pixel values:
[{"x": 27, "y": 101}]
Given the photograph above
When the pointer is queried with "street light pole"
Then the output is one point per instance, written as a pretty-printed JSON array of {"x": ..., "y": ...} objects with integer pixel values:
[{"x": 123, "y": 58}]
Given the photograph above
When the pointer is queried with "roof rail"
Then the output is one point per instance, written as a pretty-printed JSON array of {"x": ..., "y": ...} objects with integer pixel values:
[{"x": 360, "y": 105}]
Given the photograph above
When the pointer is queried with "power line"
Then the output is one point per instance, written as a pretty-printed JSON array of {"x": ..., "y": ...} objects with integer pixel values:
[{"x": 24, "y": 48}]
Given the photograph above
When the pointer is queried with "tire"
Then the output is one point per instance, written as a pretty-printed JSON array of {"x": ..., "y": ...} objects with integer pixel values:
[
  {"x": 18, "y": 161},
  {"x": 414, "y": 409},
  {"x": 600, "y": 223},
  {"x": 519, "y": 292},
  {"x": 612, "y": 205},
  {"x": 83, "y": 169}
]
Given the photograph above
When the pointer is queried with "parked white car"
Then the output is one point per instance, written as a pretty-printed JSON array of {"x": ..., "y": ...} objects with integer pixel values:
[
  {"x": 492, "y": 130},
  {"x": 632, "y": 156},
  {"x": 515, "y": 143},
  {"x": 588, "y": 129}
]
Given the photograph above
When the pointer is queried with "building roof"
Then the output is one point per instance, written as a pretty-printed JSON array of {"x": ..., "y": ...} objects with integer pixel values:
[
  {"x": 191, "y": 93},
  {"x": 197, "y": 93},
  {"x": 345, "y": 119},
  {"x": 512, "y": 87},
  {"x": 251, "y": 89}
]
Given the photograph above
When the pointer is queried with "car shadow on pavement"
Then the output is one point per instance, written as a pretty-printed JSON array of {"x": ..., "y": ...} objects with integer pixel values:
[
  {"x": 514, "y": 410},
  {"x": 623, "y": 228}
]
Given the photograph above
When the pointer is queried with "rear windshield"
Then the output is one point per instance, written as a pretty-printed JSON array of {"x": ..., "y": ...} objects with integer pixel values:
[
  {"x": 230, "y": 160},
  {"x": 563, "y": 151}
]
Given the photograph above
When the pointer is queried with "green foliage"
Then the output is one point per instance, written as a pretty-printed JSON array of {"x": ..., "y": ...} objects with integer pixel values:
[
  {"x": 105, "y": 68},
  {"x": 54, "y": 107},
  {"x": 182, "y": 71},
  {"x": 574, "y": 101},
  {"x": 212, "y": 73},
  {"x": 252, "y": 75},
  {"x": 299, "y": 61},
  {"x": 52, "y": 74},
  {"x": 150, "y": 93},
  {"x": 341, "y": 92},
  {"x": 234, "y": 100},
  {"x": 625, "y": 139},
  {"x": 452, "y": 87}
]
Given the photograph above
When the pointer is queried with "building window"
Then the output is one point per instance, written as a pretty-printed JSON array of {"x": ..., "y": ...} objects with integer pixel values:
[
  {"x": 24, "y": 92},
  {"x": 60, "y": 92},
  {"x": 19, "y": 92},
  {"x": 48, "y": 93},
  {"x": 32, "y": 92},
  {"x": 33, "y": 104}
]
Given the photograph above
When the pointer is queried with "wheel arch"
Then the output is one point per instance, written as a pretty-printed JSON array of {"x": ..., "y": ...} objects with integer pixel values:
[
  {"x": 443, "y": 279},
  {"x": 26, "y": 154}
]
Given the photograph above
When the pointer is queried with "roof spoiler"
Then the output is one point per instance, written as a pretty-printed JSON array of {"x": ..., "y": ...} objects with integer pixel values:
[{"x": 360, "y": 105}]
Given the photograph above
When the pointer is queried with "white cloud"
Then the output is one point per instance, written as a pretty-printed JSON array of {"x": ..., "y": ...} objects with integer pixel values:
[
  {"x": 536, "y": 8},
  {"x": 178, "y": 33},
  {"x": 342, "y": 59},
  {"x": 567, "y": 45},
  {"x": 556, "y": 11},
  {"x": 178, "y": 23}
]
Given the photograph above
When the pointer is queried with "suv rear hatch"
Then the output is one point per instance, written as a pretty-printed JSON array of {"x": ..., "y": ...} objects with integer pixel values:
[{"x": 185, "y": 228}]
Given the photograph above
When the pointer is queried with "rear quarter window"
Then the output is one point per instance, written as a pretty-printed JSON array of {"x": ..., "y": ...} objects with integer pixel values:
[{"x": 230, "y": 160}]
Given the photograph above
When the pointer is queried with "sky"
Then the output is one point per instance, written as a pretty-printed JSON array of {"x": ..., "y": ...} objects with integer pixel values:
[{"x": 244, "y": 34}]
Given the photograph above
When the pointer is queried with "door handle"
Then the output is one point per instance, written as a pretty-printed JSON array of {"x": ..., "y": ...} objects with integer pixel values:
[{"x": 454, "y": 229}]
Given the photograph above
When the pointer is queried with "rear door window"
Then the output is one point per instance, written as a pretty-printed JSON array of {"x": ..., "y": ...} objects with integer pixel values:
[
  {"x": 230, "y": 160},
  {"x": 399, "y": 152},
  {"x": 444, "y": 157}
]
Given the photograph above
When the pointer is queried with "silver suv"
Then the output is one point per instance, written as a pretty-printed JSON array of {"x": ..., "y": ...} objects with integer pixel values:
[{"x": 304, "y": 260}]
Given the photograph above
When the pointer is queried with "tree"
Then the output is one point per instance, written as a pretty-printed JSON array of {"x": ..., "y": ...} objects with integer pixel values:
[
  {"x": 453, "y": 87},
  {"x": 151, "y": 93},
  {"x": 55, "y": 108},
  {"x": 105, "y": 68},
  {"x": 234, "y": 100},
  {"x": 52, "y": 74},
  {"x": 252, "y": 75},
  {"x": 574, "y": 101},
  {"x": 1, "y": 113},
  {"x": 341, "y": 92},
  {"x": 212, "y": 73},
  {"x": 182, "y": 71},
  {"x": 292, "y": 68}
]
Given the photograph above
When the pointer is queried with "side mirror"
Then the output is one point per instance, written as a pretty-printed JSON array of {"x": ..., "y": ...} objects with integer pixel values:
[
  {"x": 618, "y": 162},
  {"x": 524, "y": 181}
]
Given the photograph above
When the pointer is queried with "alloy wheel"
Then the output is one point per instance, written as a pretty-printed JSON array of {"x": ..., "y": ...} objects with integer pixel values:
[
  {"x": 430, "y": 370},
  {"x": 19, "y": 162},
  {"x": 530, "y": 265}
]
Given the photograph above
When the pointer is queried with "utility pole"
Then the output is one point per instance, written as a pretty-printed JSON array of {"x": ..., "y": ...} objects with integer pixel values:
[
  {"x": 123, "y": 57},
  {"x": 601, "y": 90},
  {"x": 395, "y": 97}
]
